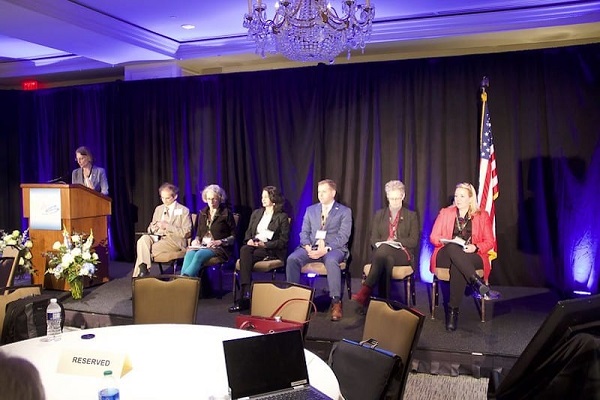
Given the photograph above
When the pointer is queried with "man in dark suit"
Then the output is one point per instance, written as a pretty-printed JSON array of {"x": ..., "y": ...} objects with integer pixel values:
[
  {"x": 168, "y": 232},
  {"x": 326, "y": 228}
]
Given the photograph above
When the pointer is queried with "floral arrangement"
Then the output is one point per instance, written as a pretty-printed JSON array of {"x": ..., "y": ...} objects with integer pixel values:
[
  {"x": 22, "y": 243},
  {"x": 72, "y": 260}
]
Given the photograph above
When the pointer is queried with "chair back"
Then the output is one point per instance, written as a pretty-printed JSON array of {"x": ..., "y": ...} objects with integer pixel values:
[
  {"x": 268, "y": 296},
  {"x": 396, "y": 328},
  {"x": 8, "y": 265},
  {"x": 15, "y": 293},
  {"x": 165, "y": 299}
]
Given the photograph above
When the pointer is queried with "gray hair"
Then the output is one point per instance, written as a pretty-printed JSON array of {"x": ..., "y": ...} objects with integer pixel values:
[
  {"x": 216, "y": 189},
  {"x": 394, "y": 185}
]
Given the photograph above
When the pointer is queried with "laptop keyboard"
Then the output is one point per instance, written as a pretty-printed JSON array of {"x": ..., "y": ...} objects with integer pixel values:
[{"x": 299, "y": 394}]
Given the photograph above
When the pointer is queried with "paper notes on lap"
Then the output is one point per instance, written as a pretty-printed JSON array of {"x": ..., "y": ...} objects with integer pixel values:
[
  {"x": 392, "y": 243},
  {"x": 456, "y": 240},
  {"x": 87, "y": 362}
]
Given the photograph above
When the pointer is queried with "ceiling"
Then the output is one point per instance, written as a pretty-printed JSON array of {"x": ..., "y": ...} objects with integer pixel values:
[{"x": 61, "y": 42}]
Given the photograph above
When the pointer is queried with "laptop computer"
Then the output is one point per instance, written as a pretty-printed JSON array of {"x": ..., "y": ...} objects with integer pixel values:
[{"x": 266, "y": 366}]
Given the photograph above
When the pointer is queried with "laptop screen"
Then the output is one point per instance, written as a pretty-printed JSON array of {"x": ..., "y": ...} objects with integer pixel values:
[{"x": 265, "y": 363}]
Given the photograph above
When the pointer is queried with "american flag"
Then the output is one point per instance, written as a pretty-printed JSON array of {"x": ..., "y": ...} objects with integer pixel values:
[{"x": 488, "y": 179}]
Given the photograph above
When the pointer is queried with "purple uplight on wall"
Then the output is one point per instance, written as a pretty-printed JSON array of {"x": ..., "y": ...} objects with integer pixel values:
[
  {"x": 425, "y": 257},
  {"x": 580, "y": 229},
  {"x": 582, "y": 258}
]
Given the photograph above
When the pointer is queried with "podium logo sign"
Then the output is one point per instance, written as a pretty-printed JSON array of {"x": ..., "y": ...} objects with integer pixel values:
[{"x": 44, "y": 209}]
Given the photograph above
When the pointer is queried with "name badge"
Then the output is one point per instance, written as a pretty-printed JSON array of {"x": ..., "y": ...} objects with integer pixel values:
[
  {"x": 321, "y": 234},
  {"x": 178, "y": 211},
  {"x": 92, "y": 362}
]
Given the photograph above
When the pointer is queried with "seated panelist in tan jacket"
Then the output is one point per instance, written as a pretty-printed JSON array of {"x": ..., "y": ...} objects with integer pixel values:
[{"x": 168, "y": 232}]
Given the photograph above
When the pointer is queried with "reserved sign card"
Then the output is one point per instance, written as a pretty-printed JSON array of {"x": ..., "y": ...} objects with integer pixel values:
[{"x": 87, "y": 362}]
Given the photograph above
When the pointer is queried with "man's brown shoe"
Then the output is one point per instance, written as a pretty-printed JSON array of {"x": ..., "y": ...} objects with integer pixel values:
[{"x": 336, "y": 311}]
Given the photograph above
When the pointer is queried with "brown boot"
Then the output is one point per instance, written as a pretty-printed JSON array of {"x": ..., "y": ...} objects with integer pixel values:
[
  {"x": 362, "y": 297},
  {"x": 336, "y": 311}
]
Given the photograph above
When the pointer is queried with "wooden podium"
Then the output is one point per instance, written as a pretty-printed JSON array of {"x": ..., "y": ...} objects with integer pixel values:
[{"x": 81, "y": 209}]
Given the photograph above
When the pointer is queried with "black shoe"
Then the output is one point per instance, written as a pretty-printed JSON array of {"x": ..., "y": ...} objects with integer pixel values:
[
  {"x": 241, "y": 305},
  {"x": 478, "y": 285},
  {"x": 143, "y": 270},
  {"x": 452, "y": 322}
]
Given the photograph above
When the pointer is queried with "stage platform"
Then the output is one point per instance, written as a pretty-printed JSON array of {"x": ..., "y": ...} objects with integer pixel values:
[{"x": 474, "y": 349}]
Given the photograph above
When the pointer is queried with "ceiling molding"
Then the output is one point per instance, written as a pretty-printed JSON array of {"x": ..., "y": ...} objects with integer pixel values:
[{"x": 107, "y": 42}]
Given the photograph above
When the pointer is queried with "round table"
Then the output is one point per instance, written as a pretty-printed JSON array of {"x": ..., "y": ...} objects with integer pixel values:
[{"x": 192, "y": 368}]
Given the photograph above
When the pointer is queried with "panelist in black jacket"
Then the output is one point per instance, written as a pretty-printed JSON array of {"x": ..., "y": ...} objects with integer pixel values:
[
  {"x": 215, "y": 232},
  {"x": 395, "y": 233},
  {"x": 266, "y": 238}
]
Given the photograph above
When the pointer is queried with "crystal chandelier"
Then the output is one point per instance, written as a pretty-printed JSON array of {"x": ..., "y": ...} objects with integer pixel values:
[{"x": 309, "y": 30}]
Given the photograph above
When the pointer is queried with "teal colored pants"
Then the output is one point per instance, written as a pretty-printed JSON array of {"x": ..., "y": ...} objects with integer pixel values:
[{"x": 194, "y": 260}]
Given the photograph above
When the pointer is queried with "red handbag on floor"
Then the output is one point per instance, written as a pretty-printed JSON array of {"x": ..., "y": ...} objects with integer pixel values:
[{"x": 274, "y": 323}]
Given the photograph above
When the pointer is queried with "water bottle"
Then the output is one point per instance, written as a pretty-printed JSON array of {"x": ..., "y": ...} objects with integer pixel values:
[
  {"x": 53, "y": 321},
  {"x": 109, "y": 389}
]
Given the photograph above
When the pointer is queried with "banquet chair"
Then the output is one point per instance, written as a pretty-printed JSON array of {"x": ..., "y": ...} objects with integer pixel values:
[
  {"x": 176, "y": 257},
  {"x": 314, "y": 269},
  {"x": 165, "y": 299},
  {"x": 15, "y": 293},
  {"x": 442, "y": 274},
  {"x": 267, "y": 296},
  {"x": 404, "y": 273},
  {"x": 9, "y": 262},
  {"x": 396, "y": 328},
  {"x": 215, "y": 263}
]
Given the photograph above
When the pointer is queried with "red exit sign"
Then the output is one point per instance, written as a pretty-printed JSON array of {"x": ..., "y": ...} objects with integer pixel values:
[{"x": 30, "y": 85}]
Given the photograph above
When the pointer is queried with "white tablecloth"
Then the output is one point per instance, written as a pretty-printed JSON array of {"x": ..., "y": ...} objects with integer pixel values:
[{"x": 169, "y": 362}]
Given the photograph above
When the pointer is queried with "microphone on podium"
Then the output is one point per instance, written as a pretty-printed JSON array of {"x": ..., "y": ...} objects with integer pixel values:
[{"x": 60, "y": 179}]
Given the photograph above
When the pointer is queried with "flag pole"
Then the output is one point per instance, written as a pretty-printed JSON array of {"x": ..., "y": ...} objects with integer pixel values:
[{"x": 485, "y": 83}]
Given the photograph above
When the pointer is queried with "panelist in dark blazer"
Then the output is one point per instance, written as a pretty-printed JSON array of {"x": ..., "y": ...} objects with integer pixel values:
[
  {"x": 266, "y": 238},
  {"x": 88, "y": 174},
  {"x": 326, "y": 228},
  {"x": 215, "y": 232},
  {"x": 400, "y": 228}
]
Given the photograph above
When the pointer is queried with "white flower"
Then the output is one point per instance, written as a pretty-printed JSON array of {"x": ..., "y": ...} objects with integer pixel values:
[
  {"x": 29, "y": 244},
  {"x": 15, "y": 233},
  {"x": 21, "y": 261},
  {"x": 87, "y": 269},
  {"x": 75, "y": 238},
  {"x": 76, "y": 252},
  {"x": 86, "y": 255},
  {"x": 11, "y": 242},
  {"x": 67, "y": 259},
  {"x": 56, "y": 245},
  {"x": 28, "y": 255},
  {"x": 95, "y": 256},
  {"x": 57, "y": 271}
]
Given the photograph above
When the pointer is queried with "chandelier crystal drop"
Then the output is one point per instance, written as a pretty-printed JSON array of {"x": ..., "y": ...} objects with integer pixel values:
[{"x": 309, "y": 30}]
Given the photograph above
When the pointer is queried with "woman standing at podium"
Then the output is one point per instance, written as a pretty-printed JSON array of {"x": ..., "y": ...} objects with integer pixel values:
[{"x": 88, "y": 174}]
